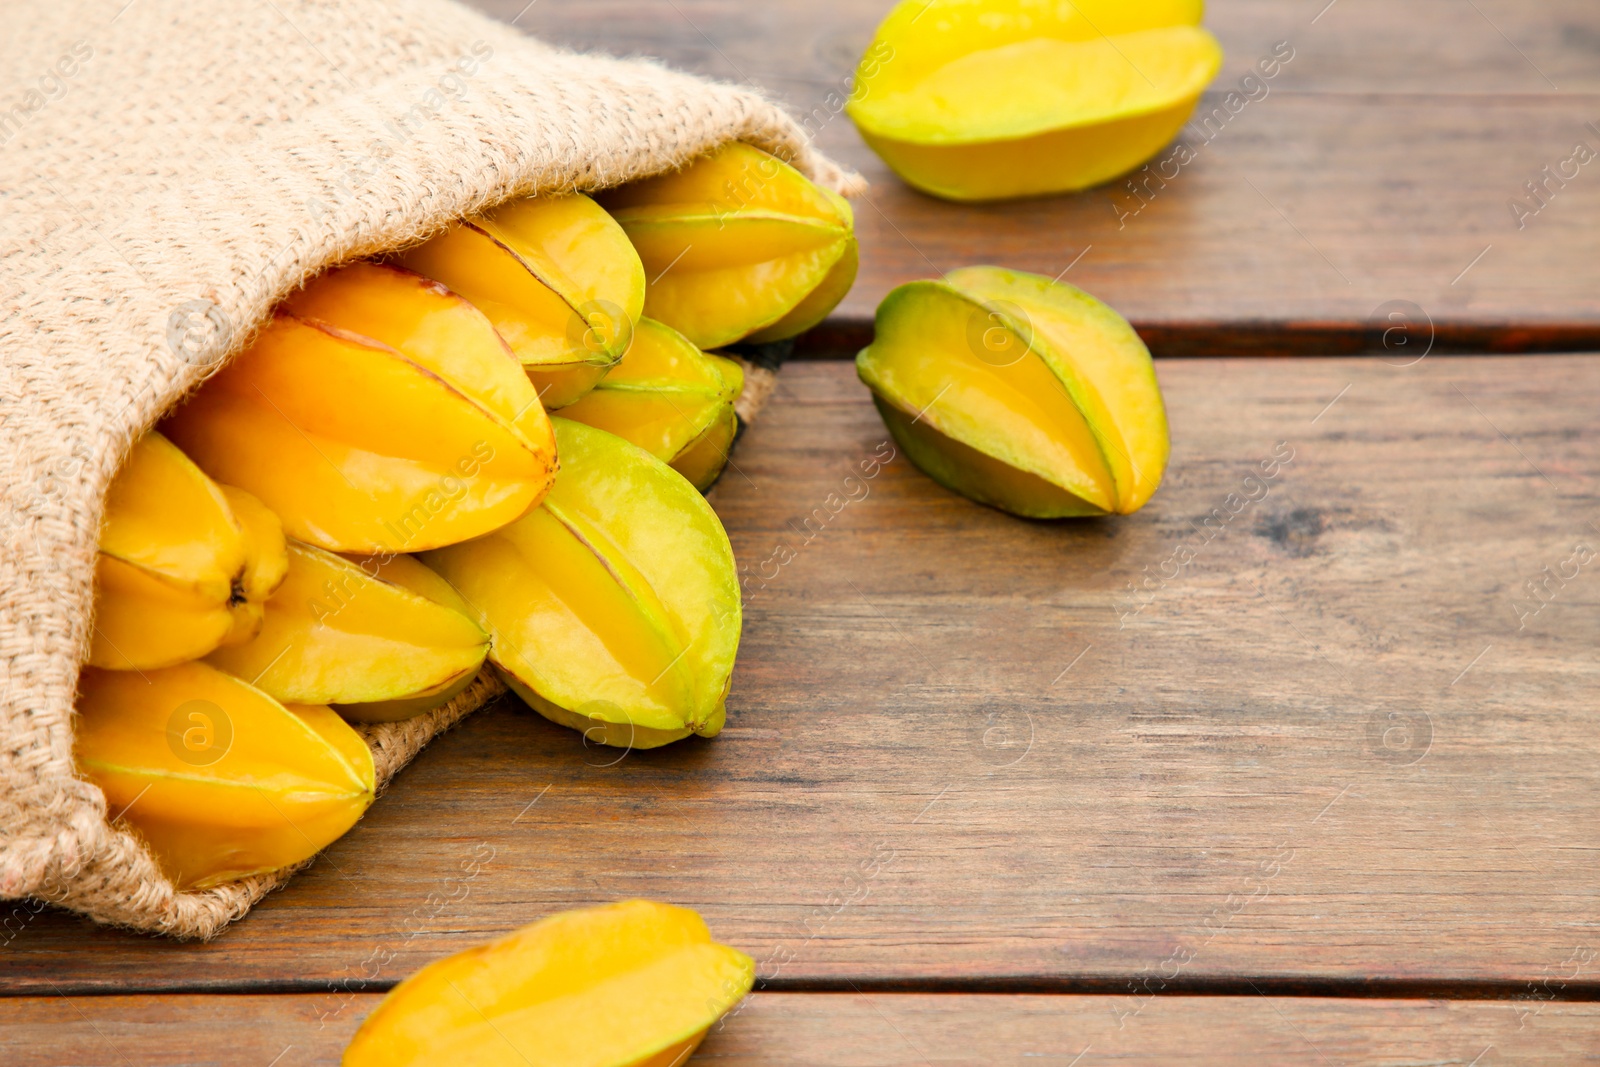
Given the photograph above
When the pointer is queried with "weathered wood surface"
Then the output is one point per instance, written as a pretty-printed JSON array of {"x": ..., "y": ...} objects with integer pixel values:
[
  {"x": 1379, "y": 167},
  {"x": 1337, "y": 744},
  {"x": 870, "y": 1030},
  {"x": 1333, "y": 741}
]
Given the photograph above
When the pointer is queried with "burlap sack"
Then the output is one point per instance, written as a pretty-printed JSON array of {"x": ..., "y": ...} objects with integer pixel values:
[{"x": 168, "y": 171}]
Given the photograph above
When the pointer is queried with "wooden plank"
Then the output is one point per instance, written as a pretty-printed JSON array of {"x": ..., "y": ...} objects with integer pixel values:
[
  {"x": 173, "y": 1031},
  {"x": 1329, "y": 740},
  {"x": 870, "y": 1030},
  {"x": 1378, "y": 168},
  {"x": 1426, "y": 46}
]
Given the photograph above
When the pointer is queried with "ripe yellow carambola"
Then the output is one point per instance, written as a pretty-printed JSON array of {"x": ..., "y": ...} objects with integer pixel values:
[
  {"x": 184, "y": 565},
  {"x": 379, "y": 412},
  {"x": 219, "y": 779},
  {"x": 613, "y": 607},
  {"x": 635, "y": 984},
  {"x": 267, "y": 562},
  {"x": 672, "y": 400},
  {"x": 1019, "y": 392},
  {"x": 738, "y": 246},
  {"x": 984, "y": 99},
  {"x": 339, "y": 632},
  {"x": 557, "y": 277}
]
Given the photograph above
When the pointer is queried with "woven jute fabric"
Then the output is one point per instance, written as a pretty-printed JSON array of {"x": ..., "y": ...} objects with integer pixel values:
[{"x": 168, "y": 171}]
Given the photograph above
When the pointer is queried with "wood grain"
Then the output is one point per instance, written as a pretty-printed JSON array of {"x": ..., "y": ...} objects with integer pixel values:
[
  {"x": 1379, "y": 168},
  {"x": 1323, "y": 751},
  {"x": 1422, "y": 47},
  {"x": 1334, "y": 743},
  {"x": 870, "y": 1030}
]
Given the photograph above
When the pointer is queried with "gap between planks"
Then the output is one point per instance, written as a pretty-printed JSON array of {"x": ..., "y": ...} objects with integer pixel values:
[
  {"x": 1311, "y": 986},
  {"x": 842, "y": 338}
]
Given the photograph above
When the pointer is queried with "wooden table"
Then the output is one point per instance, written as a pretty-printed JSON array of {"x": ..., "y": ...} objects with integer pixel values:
[{"x": 999, "y": 792}]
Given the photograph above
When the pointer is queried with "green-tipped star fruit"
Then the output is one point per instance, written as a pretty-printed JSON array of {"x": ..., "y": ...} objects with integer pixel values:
[
  {"x": 672, "y": 400},
  {"x": 738, "y": 246},
  {"x": 343, "y": 633},
  {"x": 613, "y": 607},
  {"x": 1019, "y": 392}
]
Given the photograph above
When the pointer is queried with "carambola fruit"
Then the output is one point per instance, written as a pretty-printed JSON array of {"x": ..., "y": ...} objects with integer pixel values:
[
  {"x": 556, "y": 276},
  {"x": 266, "y": 562},
  {"x": 984, "y": 99},
  {"x": 184, "y": 566},
  {"x": 738, "y": 246},
  {"x": 1019, "y": 392},
  {"x": 672, "y": 400},
  {"x": 613, "y": 607},
  {"x": 379, "y": 412},
  {"x": 219, "y": 779},
  {"x": 635, "y": 984},
  {"x": 346, "y": 633}
]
